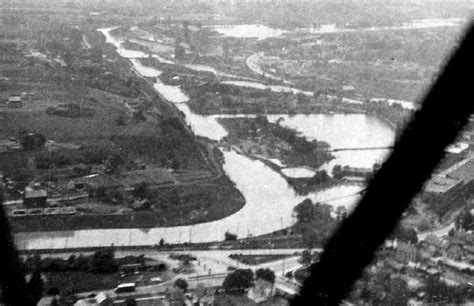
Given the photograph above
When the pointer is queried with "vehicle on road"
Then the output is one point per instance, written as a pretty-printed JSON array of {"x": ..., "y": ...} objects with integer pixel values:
[{"x": 125, "y": 287}]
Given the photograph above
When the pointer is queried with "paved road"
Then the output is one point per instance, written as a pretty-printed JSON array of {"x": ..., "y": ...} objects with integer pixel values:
[{"x": 214, "y": 262}]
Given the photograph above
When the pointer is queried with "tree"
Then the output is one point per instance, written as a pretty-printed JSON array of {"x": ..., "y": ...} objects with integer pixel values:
[
  {"x": 341, "y": 213},
  {"x": 103, "y": 261},
  {"x": 337, "y": 172},
  {"x": 31, "y": 141},
  {"x": 405, "y": 234},
  {"x": 397, "y": 293},
  {"x": 305, "y": 257},
  {"x": 465, "y": 221},
  {"x": 238, "y": 281},
  {"x": 140, "y": 190},
  {"x": 229, "y": 236},
  {"x": 35, "y": 287},
  {"x": 304, "y": 211},
  {"x": 121, "y": 121},
  {"x": 261, "y": 121},
  {"x": 266, "y": 275},
  {"x": 182, "y": 284},
  {"x": 162, "y": 242}
]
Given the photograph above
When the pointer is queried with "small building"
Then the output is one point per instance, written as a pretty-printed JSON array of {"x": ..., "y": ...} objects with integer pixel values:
[
  {"x": 97, "y": 182},
  {"x": 14, "y": 101},
  {"x": 406, "y": 252},
  {"x": 35, "y": 197},
  {"x": 348, "y": 90}
]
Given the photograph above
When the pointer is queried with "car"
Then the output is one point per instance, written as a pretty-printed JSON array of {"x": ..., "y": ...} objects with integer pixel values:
[
  {"x": 68, "y": 210},
  {"x": 156, "y": 280},
  {"x": 125, "y": 287},
  {"x": 51, "y": 211},
  {"x": 19, "y": 213},
  {"x": 35, "y": 212}
]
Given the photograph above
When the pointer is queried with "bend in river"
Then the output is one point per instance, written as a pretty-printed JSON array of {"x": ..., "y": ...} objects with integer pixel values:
[{"x": 269, "y": 198}]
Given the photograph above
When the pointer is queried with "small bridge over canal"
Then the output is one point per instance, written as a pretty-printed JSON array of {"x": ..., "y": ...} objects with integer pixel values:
[{"x": 360, "y": 149}]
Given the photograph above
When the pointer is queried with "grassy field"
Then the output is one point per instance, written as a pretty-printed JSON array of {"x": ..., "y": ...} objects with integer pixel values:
[{"x": 190, "y": 204}]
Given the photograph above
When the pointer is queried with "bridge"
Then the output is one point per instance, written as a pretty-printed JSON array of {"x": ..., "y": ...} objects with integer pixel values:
[{"x": 360, "y": 149}]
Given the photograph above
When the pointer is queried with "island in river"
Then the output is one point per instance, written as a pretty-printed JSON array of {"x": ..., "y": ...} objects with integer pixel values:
[{"x": 281, "y": 148}]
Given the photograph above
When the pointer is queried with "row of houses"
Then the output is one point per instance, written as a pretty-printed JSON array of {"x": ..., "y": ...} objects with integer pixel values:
[{"x": 459, "y": 247}]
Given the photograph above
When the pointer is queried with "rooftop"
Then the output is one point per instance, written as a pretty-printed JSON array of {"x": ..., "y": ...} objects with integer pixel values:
[
  {"x": 35, "y": 193},
  {"x": 464, "y": 172},
  {"x": 441, "y": 184},
  {"x": 457, "y": 148}
]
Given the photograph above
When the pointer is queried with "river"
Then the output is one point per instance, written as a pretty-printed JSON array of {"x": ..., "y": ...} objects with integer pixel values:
[
  {"x": 262, "y": 32},
  {"x": 269, "y": 198}
]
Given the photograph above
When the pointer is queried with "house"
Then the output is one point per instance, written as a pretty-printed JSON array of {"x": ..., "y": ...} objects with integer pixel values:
[
  {"x": 14, "y": 101},
  {"x": 469, "y": 253},
  {"x": 432, "y": 246},
  {"x": 97, "y": 182},
  {"x": 455, "y": 252},
  {"x": 35, "y": 197}
]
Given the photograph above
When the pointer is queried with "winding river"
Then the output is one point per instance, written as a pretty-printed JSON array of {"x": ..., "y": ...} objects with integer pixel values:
[{"x": 269, "y": 199}]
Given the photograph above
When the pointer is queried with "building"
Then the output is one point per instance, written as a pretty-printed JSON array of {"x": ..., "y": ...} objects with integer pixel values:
[
  {"x": 35, "y": 197},
  {"x": 442, "y": 189},
  {"x": 455, "y": 251},
  {"x": 452, "y": 184},
  {"x": 95, "y": 183},
  {"x": 407, "y": 252},
  {"x": 14, "y": 101}
]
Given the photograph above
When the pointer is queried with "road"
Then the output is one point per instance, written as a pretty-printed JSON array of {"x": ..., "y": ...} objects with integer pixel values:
[{"x": 211, "y": 268}]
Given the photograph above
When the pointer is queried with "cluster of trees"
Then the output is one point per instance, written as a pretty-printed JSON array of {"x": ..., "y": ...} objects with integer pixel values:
[
  {"x": 141, "y": 191},
  {"x": 228, "y": 236},
  {"x": 241, "y": 279},
  {"x": 175, "y": 147},
  {"x": 405, "y": 234},
  {"x": 320, "y": 177},
  {"x": 381, "y": 289},
  {"x": 438, "y": 292},
  {"x": 116, "y": 85},
  {"x": 298, "y": 143},
  {"x": 102, "y": 261},
  {"x": 465, "y": 221},
  {"x": 314, "y": 222}
]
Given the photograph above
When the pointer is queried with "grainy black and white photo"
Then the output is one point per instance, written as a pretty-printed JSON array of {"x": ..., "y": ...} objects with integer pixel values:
[{"x": 204, "y": 152}]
